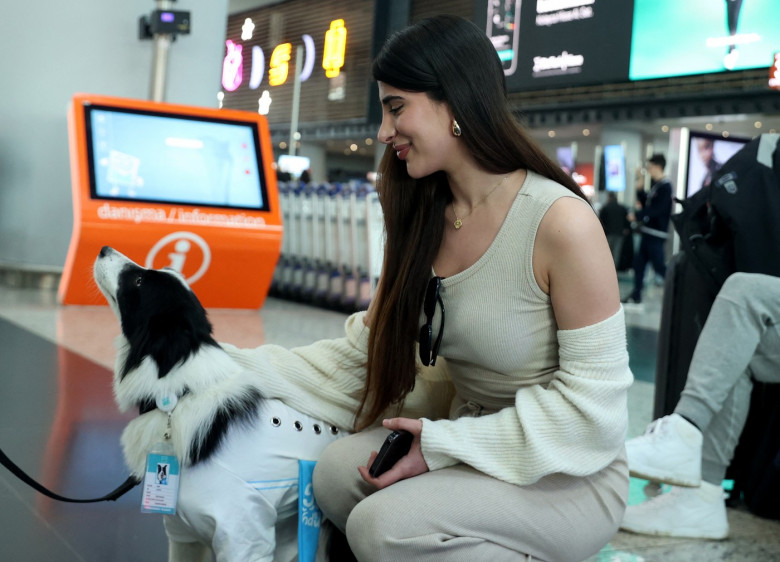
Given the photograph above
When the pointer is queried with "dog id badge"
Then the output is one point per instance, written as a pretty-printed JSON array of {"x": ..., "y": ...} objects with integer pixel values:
[{"x": 161, "y": 483}]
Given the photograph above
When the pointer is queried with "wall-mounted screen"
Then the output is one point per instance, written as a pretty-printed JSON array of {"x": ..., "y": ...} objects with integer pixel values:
[
  {"x": 706, "y": 154},
  {"x": 565, "y": 157},
  {"x": 149, "y": 156},
  {"x": 614, "y": 168},
  {"x": 562, "y": 43},
  {"x": 675, "y": 38}
]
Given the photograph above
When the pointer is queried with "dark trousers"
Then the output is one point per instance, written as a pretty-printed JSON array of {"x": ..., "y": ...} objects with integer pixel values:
[{"x": 651, "y": 249}]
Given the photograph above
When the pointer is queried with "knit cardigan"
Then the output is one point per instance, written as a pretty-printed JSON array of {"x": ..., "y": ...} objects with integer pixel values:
[
  {"x": 576, "y": 424},
  {"x": 326, "y": 379}
]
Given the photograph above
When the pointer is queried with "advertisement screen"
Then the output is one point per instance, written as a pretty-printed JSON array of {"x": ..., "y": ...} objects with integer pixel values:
[
  {"x": 675, "y": 38},
  {"x": 544, "y": 43},
  {"x": 706, "y": 154},
  {"x": 614, "y": 168},
  {"x": 155, "y": 157},
  {"x": 565, "y": 157},
  {"x": 561, "y": 43}
]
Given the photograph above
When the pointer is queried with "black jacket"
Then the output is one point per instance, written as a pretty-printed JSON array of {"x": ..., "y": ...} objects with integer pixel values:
[
  {"x": 654, "y": 215},
  {"x": 613, "y": 217}
]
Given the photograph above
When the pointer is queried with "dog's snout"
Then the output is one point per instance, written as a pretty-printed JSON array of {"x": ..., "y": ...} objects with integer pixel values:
[{"x": 104, "y": 251}]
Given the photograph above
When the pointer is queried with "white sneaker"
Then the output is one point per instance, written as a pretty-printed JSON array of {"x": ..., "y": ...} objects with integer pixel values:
[
  {"x": 669, "y": 451},
  {"x": 698, "y": 513}
]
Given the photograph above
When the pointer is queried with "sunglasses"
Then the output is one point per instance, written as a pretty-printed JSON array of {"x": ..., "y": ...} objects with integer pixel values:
[{"x": 429, "y": 349}]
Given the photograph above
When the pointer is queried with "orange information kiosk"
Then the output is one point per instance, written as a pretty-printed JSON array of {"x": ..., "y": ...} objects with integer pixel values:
[{"x": 173, "y": 186}]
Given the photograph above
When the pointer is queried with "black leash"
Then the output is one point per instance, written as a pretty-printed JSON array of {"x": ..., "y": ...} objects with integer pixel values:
[{"x": 125, "y": 487}]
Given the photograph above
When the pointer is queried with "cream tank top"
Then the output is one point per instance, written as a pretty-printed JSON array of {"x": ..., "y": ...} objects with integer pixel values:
[{"x": 500, "y": 331}]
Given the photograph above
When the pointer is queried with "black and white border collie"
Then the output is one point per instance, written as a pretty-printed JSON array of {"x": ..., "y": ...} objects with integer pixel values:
[{"x": 238, "y": 451}]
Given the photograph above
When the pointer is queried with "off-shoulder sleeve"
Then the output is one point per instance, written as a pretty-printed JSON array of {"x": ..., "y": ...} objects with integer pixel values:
[
  {"x": 576, "y": 424},
  {"x": 324, "y": 379}
]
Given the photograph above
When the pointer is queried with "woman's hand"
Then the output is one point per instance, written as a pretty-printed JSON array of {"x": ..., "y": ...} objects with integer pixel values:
[{"x": 409, "y": 465}]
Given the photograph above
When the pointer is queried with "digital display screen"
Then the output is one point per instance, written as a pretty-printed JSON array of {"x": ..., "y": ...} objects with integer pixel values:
[
  {"x": 544, "y": 43},
  {"x": 614, "y": 168},
  {"x": 674, "y": 38},
  {"x": 562, "y": 43},
  {"x": 706, "y": 154},
  {"x": 177, "y": 159},
  {"x": 565, "y": 157}
]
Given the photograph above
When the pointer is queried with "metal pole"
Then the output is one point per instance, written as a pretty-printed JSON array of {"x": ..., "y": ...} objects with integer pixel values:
[
  {"x": 162, "y": 45},
  {"x": 296, "y": 98}
]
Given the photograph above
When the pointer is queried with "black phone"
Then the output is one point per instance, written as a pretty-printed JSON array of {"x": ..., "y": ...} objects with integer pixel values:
[{"x": 395, "y": 446}]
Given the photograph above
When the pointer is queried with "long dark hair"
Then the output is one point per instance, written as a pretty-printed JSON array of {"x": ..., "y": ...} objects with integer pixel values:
[{"x": 452, "y": 61}]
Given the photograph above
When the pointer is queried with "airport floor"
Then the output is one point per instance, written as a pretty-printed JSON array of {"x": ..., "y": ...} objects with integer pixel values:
[{"x": 58, "y": 421}]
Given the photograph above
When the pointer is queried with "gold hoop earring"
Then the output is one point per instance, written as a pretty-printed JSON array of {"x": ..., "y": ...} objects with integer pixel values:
[{"x": 456, "y": 128}]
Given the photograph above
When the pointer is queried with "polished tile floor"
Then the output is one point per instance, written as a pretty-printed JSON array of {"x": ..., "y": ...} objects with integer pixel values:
[{"x": 58, "y": 421}]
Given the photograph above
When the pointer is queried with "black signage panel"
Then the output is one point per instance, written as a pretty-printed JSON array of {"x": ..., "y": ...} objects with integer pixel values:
[{"x": 559, "y": 43}]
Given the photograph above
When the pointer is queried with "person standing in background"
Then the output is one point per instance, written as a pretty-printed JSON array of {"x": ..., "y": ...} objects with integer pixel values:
[
  {"x": 653, "y": 217},
  {"x": 614, "y": 219}
]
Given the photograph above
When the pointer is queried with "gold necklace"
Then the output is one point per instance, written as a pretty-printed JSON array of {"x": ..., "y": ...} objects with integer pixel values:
[{"x": 458, "y": 221}]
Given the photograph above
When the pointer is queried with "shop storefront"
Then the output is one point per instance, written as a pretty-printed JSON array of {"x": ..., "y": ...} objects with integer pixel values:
[{"x": 331, "y": 43}]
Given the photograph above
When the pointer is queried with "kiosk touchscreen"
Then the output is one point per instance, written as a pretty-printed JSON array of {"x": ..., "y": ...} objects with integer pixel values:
[{"x": 173, "y": 186}]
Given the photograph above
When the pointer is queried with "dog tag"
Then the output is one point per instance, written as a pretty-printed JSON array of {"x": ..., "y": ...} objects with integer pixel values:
[
  {"x": 161, "y": 482},
  {"x": 167, "y": 402}
]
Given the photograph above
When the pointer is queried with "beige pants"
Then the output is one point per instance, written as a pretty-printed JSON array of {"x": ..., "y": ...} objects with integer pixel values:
[{"x": 459, "y": 513}]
